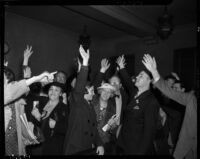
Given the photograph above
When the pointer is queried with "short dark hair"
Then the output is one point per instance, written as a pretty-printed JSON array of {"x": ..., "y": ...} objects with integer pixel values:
[
  {"x": 115, "y": 75},
  {"x": 148, "y": 73},
  {"x": 9, "y": 74},
  {"x": 170, "y": 77},
  {"x": 60, "y": 71}
]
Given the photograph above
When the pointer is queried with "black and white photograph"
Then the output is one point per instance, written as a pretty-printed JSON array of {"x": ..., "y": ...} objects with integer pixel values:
[{"x": 118, "y": 79}]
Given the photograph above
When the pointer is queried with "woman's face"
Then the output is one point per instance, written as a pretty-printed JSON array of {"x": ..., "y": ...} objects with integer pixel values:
[
  {"x": 54, "y": 93},
  {"x": 105, "y": 94}
]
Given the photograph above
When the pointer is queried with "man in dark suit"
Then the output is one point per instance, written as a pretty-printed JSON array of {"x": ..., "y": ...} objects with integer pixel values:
[
  {"x": 140, "y": 115},
  {"x": 82, "y": 134}
]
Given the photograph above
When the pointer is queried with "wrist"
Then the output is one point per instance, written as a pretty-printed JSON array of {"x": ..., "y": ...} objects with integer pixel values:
[
  {"x": 85, "y": 63},
  {"x": 102, "y": 70},
  {"x": 25, "y": 62},
  {"x": 155, "y": 75},
  {"x": 121, "y": 67}
]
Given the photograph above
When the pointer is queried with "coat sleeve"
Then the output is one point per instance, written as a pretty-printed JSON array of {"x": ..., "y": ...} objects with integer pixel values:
[
  {"x": 61, "y": 125},
  {"x": 14, "y": 90},
  {"x": 180, "y": 97},
  {"x": 98, "y": 140},
  {"x": 126, "y": 81},
  {"x": 150, "y": 118},
  {"x": 81, "y": 80},
  {"x": 98, "y": 80}
]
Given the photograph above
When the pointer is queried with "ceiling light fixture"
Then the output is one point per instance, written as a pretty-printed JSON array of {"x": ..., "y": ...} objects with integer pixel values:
[{"x": 165, "y": 25}]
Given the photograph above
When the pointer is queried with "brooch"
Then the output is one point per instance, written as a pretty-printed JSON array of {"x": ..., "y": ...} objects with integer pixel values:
[{"x": 136, "y": 107}]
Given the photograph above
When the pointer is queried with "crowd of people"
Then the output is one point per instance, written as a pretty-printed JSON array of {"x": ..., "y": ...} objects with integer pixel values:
[{"x": 120, "y": 115}]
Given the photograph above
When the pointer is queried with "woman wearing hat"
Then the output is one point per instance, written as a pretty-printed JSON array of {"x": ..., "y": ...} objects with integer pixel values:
[
  {"x": 107, "y": 118},
  {"x": 53, "y": 120}
]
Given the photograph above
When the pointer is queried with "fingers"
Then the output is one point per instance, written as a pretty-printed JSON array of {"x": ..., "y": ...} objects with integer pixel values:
[
  {"x": 81, "y": 50},
  {"x": 28, "y": 51},
  {"x": 84, "y": 55},
  {"x": 53, "y": 73},
  {"x": 88, "y": 52},
  {"x": 105, "y": 63}
]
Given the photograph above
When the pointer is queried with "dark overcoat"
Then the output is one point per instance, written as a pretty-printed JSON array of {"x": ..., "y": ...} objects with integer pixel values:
[
  {"x": 54, "y": 138},
  {"x": 139, "y": 121},
  {"x": 82, "y": 131}
]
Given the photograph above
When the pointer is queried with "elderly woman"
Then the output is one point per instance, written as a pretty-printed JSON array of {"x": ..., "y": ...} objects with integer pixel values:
[
  {"x": 107, "y": 118},
  {"x": 53, "y": 118}
]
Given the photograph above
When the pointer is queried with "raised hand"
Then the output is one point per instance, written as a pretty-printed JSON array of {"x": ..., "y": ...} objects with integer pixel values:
[
  {"x": 84, "y": 55},
  {"x": 104, "y": 65},
  {"x": 149, "y": 63},
  {"x": 27, "y": 72},
  {"x": 121, "y": 62},
  {"x": 27, "y": 53}
]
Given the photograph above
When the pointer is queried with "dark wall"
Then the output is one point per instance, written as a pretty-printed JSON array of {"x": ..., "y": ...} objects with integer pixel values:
[
  {"x": 53, "y": 48},
  {"x": 163, "y": 51}
]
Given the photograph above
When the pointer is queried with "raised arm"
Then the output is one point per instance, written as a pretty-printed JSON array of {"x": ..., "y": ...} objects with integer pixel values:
[
  {"x": 83, "y": 74},
  {"x": 25, "y": 68},
  {"x": 126, "y": 79},
  {"x": 27, "y": 53},
  {"x": 180, "y": 97},
  {"x": 14, "y": 90},
  {"x": 101, "y": 74}
]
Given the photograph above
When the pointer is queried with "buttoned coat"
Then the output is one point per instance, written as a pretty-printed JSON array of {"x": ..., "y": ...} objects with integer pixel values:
[
  {"x": 82, "y": 129},
  {"x": 139, "y": 120}
]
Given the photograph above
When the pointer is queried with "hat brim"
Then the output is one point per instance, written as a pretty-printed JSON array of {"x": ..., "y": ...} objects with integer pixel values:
[{"x": 57, "y": 84}]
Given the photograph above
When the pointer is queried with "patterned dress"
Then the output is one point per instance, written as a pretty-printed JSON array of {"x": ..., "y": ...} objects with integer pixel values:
[
  {"x": 11, "y": 141},
  {"x": 102, "y": 118}
]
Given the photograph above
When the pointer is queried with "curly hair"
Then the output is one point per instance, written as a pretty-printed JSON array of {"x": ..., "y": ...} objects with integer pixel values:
[{"x": 9, "y": 74}]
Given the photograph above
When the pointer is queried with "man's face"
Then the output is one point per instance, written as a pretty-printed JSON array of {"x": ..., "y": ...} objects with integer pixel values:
[
  {"x": 115, "y": 82},
  {"x": 142, "y": 79},
  {"x": 170, "y": 82},
  {"x": 60, "y": 77},
  {"x": 177, "y": 87}
]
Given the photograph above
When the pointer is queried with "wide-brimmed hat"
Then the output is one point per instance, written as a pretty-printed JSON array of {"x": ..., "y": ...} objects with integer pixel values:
[
  {"x": 107, "y": 86},
  {"x": 57, "y": 84}
]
